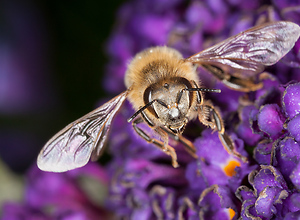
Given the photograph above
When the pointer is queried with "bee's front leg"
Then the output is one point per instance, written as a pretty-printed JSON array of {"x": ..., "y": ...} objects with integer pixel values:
[
  {"x": 189, "y": 146},
  {"x": 161, "y": 145},
  {"x": 209, "y": 116}
]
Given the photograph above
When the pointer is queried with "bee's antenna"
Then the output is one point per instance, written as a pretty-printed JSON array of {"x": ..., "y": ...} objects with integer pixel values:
[
  {"x": 140, "y": 110},
  {"x": 204, "y": 90},
  {"x": 144, "y": 107}
]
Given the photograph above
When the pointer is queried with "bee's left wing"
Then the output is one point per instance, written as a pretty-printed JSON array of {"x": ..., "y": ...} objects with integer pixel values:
[
  {"x": 73, "y": 146},
  {"x": 249, "y": 51}
]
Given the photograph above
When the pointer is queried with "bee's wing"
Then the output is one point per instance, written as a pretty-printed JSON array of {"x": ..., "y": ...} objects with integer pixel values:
[
  {"x": 251, "y": 50},
  {"x": 73, "y": 146}
]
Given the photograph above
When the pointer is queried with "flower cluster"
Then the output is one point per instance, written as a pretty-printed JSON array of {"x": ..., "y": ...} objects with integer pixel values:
[
  {"x": 264, "y": 122},
  {"x": 276, "y": 183},
  {"x": 264, "y": 125}
]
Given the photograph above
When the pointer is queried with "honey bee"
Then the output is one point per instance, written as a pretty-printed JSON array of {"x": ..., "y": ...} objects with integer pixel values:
[{"x": 164, "y": 88}]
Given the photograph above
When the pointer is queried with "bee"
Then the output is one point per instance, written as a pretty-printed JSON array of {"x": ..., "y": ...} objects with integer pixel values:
[{"x": 165, "y": 91}]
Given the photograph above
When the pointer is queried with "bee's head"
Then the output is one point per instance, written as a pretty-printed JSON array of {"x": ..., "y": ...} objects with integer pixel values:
[{"x": 172, "y": 103}]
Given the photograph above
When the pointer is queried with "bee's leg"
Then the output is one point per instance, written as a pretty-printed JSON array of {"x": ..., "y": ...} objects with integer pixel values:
[
  {"x": 243, "y": 85},
  {"x": 190, "y": 148},
  {"x": 209, "y": 116},
  {"x": 161, "y": 145}
]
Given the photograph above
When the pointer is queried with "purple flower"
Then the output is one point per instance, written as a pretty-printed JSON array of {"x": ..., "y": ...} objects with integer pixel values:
[
  {"x": 290, "y": 100},
  {"x": 270, "y": 196},
  {"x": 286, "y": 154},
  {"x": 270, "y": 120},
  {"x": 65, "y": 195},
  {"x": 262, "y": 152},
  {"x": 244, "y": 128},
  {"x": 294, "y": 127},
  {"x": 216, "y": 202},
  {"x": 12, "y": 211},
  {"x": 204, "y": 172},
  {"x": 137, "y": 189}
]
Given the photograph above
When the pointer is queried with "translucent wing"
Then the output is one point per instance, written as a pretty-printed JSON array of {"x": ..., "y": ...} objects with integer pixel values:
[
  {"x": 73, "y": 146},
  {"x": 249, "y": 51}
]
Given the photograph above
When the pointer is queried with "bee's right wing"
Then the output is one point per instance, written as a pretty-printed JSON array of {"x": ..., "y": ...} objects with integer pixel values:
[
  {"x": 73, "y": 146},
  {"x": 246, "y": 53}
]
